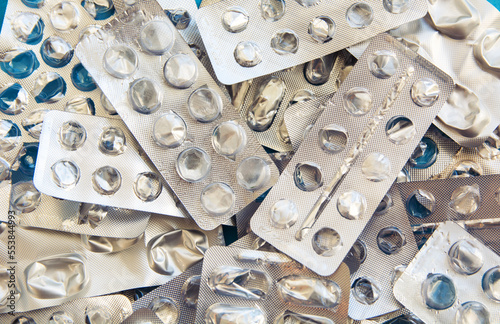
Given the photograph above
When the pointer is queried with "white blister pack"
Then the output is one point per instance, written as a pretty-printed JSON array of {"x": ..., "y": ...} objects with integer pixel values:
[
  {"x": 194, "y": 136},
  {"x": 354, "y": 152},
  {"x": 265, "y": 287},
  {"x": 97, "y": 160},
  {"x": 453, "y": 278},
  {"x": 245, "y": 40}
]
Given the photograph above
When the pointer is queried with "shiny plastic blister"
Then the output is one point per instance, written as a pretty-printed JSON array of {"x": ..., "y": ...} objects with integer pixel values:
[
  {"x": 104, "y": 309},
  {"x": 56, "y": 267},
  {"x": 335, "y": 153},
  {"x": 143, "y": 316},
  {"x": 260, "y": 286},
  {"x": 213, "y": 173},
  {"x": 452, "y": 278},
  {"x": 301, "y": 30},
  {"x": 96, "y": 160}
]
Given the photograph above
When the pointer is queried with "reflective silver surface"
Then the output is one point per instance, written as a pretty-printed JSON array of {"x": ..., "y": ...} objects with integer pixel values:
[
  {"x": 99, "y": 244},
  {"x": 264, "y": 107},
  {"x": 229, "y": 314},
  {"x": 249, "y": 284},
  {"x": 307, "y": 291}
]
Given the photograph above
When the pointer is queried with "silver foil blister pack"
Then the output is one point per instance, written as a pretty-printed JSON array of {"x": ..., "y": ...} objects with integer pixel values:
[
  {"x": 354, "y": 152},
  {"x": 104, "y": 309},
  {"x": 453, "y": 278},
  {"x": 245, "y": 40},
  {"x": 195, "y": 137},
  {"x": 143, "y": 316},
  {"x": 97, "y": 160},
  {"x": 381, "y": 253},
  {"x": 56, "y": 267},
  {"x": 248, "y": 286}
]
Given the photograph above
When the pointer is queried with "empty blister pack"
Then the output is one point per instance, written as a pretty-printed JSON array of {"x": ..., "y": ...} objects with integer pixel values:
[
  {"x": 453, "y": 278},
  {"x": 248, "y": 286},
  {"x": 245, "y": 40},
  {"x": 61, "y": 267},
  {"x": 354, "y": 152},
  {"x": 96, "y": 160},
  {"x": 381, "y": 253},
  {"x": 96, "y": 310},
  {"x": 144, "y": 316},
  {"x": 195, "y": 137}
]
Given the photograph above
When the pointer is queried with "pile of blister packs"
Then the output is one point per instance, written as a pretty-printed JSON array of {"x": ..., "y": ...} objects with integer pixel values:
[{"x": 250, "y": 162}]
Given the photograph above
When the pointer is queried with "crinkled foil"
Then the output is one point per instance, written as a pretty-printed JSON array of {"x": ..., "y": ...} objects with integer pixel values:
[
  {"x": 143, "y": 315},
  {"x": 467, "y": 155}
]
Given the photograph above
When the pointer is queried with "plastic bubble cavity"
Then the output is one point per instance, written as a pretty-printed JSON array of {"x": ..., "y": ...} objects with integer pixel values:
[
  {"x": 465, "y": 169},
  {"x": 229, "y": 138},
  {"x": 106, "y": 104},
  {"x": 359, "y": 15},
  {"x": 19, "y": 63},
  {"x": 24, "y": 197},
  {"x": 272, "y": 10},
  {"x": 205, "y": 104},
  {"x": 283, "y": 214},
  {"x": 120, "y": 61},
  {"x": 400, "y": 130},
  {"x": 180, "y": 71},
  {"x": 425, "y": 92},
  {"x": 465, "y": 257},
  {"x": 396, "y": 6},
  {"x": 112, "y": 141},
  {"x": 36, "y": 4},
  {"x": 438, "y": 291},
  {"x": 65, "y": 174},
  {"x": 383, "y": 64},
  {"x": 318, "y": 71},
  {"x": 81, "y": 78},
  {"x": 106, "y": 180},
  {"x": 465, "y": 200},
  {"x": 157, "y": 37},
  {"x": 165, "y": 308},
  {"x": 308, "y": 3},
  {"x": 80, "y": 105},
  {"x": 26, "y": 158},
  {"x": 23, "y": 320},
  {"x": 58, "y": 276},
  {"x": 358, "y": 101},
  {"x": 425, "y": 154},
  {"x": 351, "y": 205},
  {"x": 97, "y": 315},
  {"x": 385, "y": 204},
  {"x": 4, "y": 174},
  {"x": 56, "y": 52},
  {"x": 217, "y": 199},
  {"x": 265, "y": 105},
  {"x": 333, "y": 138},
  {"x": 310, "y": 292},
  {"x": 224, "y": 313},
  {"x": 89, "y": 30},
  {"x": 190, "y": 291},
  {"x": 64, "y": 16},
  {"x": 49, "y": 87},
  {"x": 365, "y": 290},
  {"x": 169, "y": 130},
  {"x": 491, "y": 283},
  {"x": 33, "y": 122},
  {"x": 145, "y": 96},
  {"x": 147, "y": 186},
  {"x": 322, "y": 29},
  {"x": 308, "y": 176},
  {"x": 193, "y": 164},
  {"x": 421, "y": 203},
  {"x": 376, "y": 167},
  {"x": 179, "y": 17},
  {"x": 72, "y": 135},
  {"x": 253, "y": 173},
  {"x": 235, "y": 19},
  {"x": 403, "y": 176},
  {"x": 486, "y": 49},
  {"x": 397, "y": 272},
  {"x": 391, "y": 240},
  {"x": 99, "y": 9},
  {"x": 10, "y": 135},
  {"x": 248, "y": 284},
  {"x": 285, "y": 41},
  {"x": 13, "y": 99},
  {"x": 28, "y": 28},
  {"x": 248, "y": 54},
  {"x": 289, "y": 317},
  {"x": 60, "y": 317},
  {"x": 326, "y": 242},
  {"x": 472, "y": 312}
]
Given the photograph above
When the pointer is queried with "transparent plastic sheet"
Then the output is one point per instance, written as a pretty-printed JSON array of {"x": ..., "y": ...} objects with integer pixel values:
[
  {"x": 118, "y": 307},
  {"x": 340, "y": 236},
  {"x": 222, "y": 169},
  {"x": 107, "y": 142},
  {"x": 433, "y": 258},
  {"x": 296, "y": 19},
  {"x": 276, "y": 266},
  {"x": 482, "y": 222},
  {"x": 378, "y": 256},
  {"x": 168, "y": 246}
]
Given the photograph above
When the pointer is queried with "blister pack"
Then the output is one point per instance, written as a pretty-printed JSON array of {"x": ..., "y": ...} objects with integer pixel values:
[
  {"x": 195, "y": 138},
  {"x": 381, "y": 253},
  {"x": 104, "y": 309},
  {"x": 56, "y": 267},
  {"x": 239, "y": 285},
  {"x": 453, "y": 278},
  {"x": 97, "y": 160},
  {"x": 143, "y": 316},
  {"x": 472, "y": 201},
  {"x": 253, "y": 40},
  {"x": 353, "y": 153}
]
